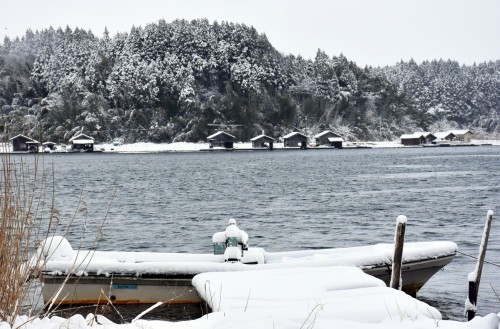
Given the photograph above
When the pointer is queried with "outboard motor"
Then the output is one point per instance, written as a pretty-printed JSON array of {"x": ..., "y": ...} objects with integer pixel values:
[{"x": 232, "y": 242}]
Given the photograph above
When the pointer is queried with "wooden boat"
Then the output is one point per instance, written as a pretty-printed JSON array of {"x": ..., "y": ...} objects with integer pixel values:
[{"x": 89, "y": 277}]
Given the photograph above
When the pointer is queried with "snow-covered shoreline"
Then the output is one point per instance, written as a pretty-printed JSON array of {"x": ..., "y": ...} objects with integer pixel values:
[
  {"x": 195, "y": 147},
  {"x": 319, "y": 298}
]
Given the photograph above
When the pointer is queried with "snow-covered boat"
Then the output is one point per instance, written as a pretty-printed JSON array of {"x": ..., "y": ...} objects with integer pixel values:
[{"x": 87, "y": 276}]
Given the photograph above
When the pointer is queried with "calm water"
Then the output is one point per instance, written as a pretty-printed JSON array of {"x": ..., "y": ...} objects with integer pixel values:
[{"x": 290, "y": 200}]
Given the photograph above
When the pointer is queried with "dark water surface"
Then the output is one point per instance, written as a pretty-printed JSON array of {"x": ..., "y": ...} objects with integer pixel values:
[{"x": 292, "y": 200}]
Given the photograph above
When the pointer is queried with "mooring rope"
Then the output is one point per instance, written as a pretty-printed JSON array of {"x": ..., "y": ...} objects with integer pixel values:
[{"x": 462, "y": 253}]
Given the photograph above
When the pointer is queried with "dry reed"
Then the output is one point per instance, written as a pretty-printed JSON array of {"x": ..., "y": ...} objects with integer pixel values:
[{"x": 22, "y": 202}]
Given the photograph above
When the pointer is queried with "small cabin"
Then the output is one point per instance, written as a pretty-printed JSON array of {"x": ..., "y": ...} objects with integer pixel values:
[
  {"x": 417, "y": 138},
  {"x": 262, "y": 141},
  {"x": 329, "y": 138},
  {"x": 21, "y": 143},
  {"x": 412, "y": 139},
  {"x": 82, "y": 143},
  {"x": 462, "y": 135},
  {"x": 221, "y": 139},
  {"x": 445, "y": 136},
  {"x": 49, "y": 146},
  {"x": 295, "y": 139}
]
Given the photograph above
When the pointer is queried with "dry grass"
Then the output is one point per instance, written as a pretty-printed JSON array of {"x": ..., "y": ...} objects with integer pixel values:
[{"x": 22, "y": 203}]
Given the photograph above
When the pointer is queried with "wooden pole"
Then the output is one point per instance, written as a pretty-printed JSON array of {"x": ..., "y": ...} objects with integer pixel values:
[
  {"x": 475, "y": 277},
  {"x": 399, "y": 239}
]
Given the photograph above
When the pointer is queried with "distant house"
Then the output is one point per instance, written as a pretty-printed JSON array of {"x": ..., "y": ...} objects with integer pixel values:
[
  {"x": 417, "y": 138},
  {"x": 82, "y": 143},
  {"x": 221, "y": 139},
  {"x": 295, "y": 139},
  {"x": 329, "y": 138},
  {"x": 262, "y": 141},
  {"x": 412, "y": 139},
  {"x": 462, "y": 135},
  {"x": 21, "y": 143},
  {"x": 429, "y": 137},
  {"x": 49, "y": 145},
  {"x": 445, "y": 135}
]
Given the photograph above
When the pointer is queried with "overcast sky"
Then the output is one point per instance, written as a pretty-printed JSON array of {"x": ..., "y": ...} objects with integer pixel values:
[{"x": 369, "y": 32}]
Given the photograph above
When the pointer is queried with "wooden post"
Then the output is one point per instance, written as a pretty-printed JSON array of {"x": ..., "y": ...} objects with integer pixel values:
[
  {"x": 397, "y": 260},
  {"x": 475, "y": 277}
]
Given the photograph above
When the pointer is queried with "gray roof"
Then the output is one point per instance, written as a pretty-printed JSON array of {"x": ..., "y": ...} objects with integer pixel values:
[
  {"x": 295, "y": 133},
  {"x": 325, "y": 133},
  {"x": 262, "y": 137},
  {"x": 220, "y": 133},
  {"x": 81, "y": 136}
]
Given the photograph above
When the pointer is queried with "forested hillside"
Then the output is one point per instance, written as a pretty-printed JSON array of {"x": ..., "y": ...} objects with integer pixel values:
[{"x": 178, "y": 81}]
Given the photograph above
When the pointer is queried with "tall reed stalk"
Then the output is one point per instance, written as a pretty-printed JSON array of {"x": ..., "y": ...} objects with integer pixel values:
[{"x": 22, "y": 202}]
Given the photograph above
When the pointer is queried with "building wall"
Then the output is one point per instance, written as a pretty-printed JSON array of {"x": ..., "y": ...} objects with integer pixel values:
[
  {"x": 294, "y": 141},
  {"x": 411, "y": 141},
  {"x": 466, "y": 137},
  {"x": 323, "y": 140},
  {"x": 19, "y": 144},
  {"x": 262, "y": 143}
]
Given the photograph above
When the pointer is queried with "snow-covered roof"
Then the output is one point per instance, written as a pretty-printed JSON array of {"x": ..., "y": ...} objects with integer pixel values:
[
  {"x": 220, "y": 133},
  {"x": 262, "y": 137},
  {"x": 413, "y": 136},
  {"x": 418, "y": 134},
  {"x": 427, "y": 134},
  {"x": 21, "y": 135},
  {"x": 295, "y": 133},
  {"x": 83, "y": 141},
  {"x": 460, "y": 132},
  {"x": 325, "y": 133},
  {"x": 443, "y": 134},
  {"x": 80, "y": 137}
]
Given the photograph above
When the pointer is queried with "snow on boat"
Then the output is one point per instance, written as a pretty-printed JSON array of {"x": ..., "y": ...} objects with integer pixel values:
[{"x": 87, "y": 276}]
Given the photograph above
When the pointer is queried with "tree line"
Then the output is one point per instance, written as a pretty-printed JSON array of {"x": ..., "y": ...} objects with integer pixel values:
[{"x": 179, "y": 81}]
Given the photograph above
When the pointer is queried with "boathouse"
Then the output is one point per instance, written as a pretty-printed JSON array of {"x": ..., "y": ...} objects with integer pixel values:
[
  {"x": 82, "y": 143},
  {"x": 21, "y": 143},
  {"x": 328, "y": 138},
  {"x": 49, "y": 146},
  {"x": 295, "y": 139},
  {"x": 412, "y": 139},
  {"x": 221, "y": 139},
  {"x": 445, "y": 136},
  {"x": 462, "y": 135},
  {"x": 417, "y": 138},
  {"x": 262, "y": 141}
]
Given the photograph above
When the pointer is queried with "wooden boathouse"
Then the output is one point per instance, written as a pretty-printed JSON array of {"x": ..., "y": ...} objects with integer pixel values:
[
  {"x": 82, "y": 143},
  {"x": 462, "y": 135},
  {"x": 417, "y": 138},
  {"x": 329, "y": 138},
  {"x": 221, "y": 139},
  {"x": 445, "y": 136},
  {"x": 21, "y": 143},
  {"x": 263, "y": 141},
  {"x": 295, "y": 139}
]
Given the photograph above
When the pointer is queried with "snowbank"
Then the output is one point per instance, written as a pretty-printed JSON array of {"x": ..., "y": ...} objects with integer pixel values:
[
  {"x": 319, "y": 298},
  {"x": 192, "y": 147}
]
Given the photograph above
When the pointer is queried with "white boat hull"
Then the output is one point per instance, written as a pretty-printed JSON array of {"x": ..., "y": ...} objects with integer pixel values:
[{"x": 94, "y": 289}]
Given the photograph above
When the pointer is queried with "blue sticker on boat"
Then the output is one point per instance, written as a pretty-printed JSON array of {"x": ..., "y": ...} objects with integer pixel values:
[{"x": 125, "y": 286}]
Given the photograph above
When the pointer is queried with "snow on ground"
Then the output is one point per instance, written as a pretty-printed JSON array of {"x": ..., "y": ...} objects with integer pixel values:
[
  {"x": 319, "y": 298},
  {"x": 191, "y": 147}
]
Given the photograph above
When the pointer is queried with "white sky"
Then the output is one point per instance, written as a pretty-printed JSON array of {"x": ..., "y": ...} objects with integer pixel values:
[{"x": 369, "y": 32}]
